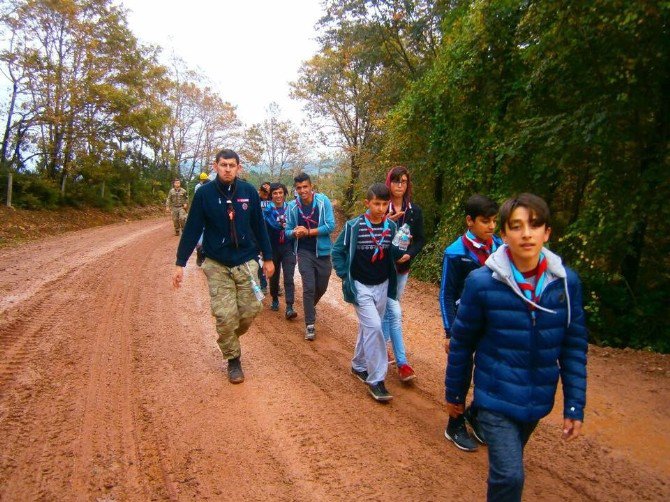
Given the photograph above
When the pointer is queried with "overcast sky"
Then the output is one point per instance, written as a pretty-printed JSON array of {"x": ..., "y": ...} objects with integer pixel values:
[{"x": 249, "y": 49}]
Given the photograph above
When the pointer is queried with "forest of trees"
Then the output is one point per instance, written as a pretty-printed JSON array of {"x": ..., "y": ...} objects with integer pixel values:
[{"x": 566, "y": 99}]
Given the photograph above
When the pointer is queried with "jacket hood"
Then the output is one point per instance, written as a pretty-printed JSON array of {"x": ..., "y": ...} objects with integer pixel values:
[{"x": 499, "y": 263}]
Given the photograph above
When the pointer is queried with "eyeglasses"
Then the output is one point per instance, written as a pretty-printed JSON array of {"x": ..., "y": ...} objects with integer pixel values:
[{"x": 400, "y": 182}]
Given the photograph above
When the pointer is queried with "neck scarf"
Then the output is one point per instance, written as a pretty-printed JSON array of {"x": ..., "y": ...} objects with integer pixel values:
[
  {"x": 529, "y": 290},
  {"x": 309, "y": 220},
  {"x": 279, "y": 216},
  {"x": 386, "y": 231},
  {"x": 228, "y": 193},
  {"x": 481, "y": 249}
]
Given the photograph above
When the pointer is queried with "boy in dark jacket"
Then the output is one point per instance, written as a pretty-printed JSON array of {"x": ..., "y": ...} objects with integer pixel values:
[
  {"x": 522, "y": 316},
  {"x": 465, "y": 254},
  {"x": 229, "y": 210},
  {"x": 364, "y": 259}
]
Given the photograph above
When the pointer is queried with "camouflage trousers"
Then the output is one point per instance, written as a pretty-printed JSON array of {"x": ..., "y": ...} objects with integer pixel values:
[
  {"x": 233, "y": 302},
  {"x": 178, "y": 218}
]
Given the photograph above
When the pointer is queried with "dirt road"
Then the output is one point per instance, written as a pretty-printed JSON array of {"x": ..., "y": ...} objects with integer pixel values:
[{"x": 112, "y": 388}]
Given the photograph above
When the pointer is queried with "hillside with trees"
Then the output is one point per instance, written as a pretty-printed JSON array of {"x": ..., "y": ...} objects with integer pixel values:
[{"x": 569, "y": 100}]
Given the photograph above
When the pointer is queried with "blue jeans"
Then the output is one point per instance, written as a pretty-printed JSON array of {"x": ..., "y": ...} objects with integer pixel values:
[
  {"x": 506, "y": 439},
  {"x": 392, "y": 322}
]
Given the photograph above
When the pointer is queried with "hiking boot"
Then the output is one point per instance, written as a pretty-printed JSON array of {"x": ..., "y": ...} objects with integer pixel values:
[
  {"x": 361, "y": 375},
  {"x": 389, "y": 355},
  {"x": 379, "y": 393},
  {"x": 235, "y": 374},
  {"x": 458, "y": 434},
  {"x": 470, "y": 417},
  {"x": 200, "y": 256},
  {"x": 290, "y": 313},
  {"x": 310, "y": 334},
  {"x": 275, "y": 305},
  {"x": 406, "y": 373}
]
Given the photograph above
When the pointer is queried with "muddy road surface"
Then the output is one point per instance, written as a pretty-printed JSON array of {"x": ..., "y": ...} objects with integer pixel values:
[{"x": 112, "y": 388}]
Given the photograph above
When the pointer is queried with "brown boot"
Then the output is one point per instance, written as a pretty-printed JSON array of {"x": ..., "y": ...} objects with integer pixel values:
[{"x": 235, "y": 373}]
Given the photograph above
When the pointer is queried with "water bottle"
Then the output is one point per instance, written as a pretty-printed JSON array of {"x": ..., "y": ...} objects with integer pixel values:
[
  {"x": 257, "y": 291},
  {"x": 402, "y": 237}
]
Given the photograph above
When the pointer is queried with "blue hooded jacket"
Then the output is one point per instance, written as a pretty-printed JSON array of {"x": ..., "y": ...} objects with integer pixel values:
[
  {"x": 518, "y": 361},
  {"x": 326, "y": 224}
]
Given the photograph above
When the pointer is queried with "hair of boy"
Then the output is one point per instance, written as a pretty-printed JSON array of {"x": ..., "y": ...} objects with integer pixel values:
[
  {"x": 480, "y": 205},
  {"x": 536, "y": 206},
  {"x": 227, "y": 153},
  {"x": 395, "y": 174},
  {"x": 378, "y": 191},
  {"x": 277, "y": 186},
  {"x": 301, "y": 177},
  {"x": 263, "y": 189}
]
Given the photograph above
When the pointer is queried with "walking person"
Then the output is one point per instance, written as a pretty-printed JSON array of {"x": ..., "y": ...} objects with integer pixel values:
[
  {"x": 402, "y": 211},
  {"x": 310, "y": 221},
  {"x": 283, "y": 256},
  {"x": 203, "y": 179},
  {"x": 467, "y": 253},
  {"x": 229, "y": 210},
  {"x": 177, "y": 204},
  {"x": 364, "y": 259},
  {"x": 266, "y": 201},
  {"x": 521, "y": 314}
]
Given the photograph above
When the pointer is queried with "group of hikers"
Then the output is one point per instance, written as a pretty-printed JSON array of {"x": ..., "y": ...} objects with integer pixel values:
[{"x": 512, "y": 312}]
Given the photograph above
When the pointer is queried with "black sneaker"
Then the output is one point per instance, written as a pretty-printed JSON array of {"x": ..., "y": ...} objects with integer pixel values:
[
  {"x": 310, "y": 333},
  {"x": 458, "y": 434},
  {"x": 235, "y": 373},
  {"x": 361, "y": 375},
  {"x": 275, "y": 305},
  {"x": 379, "y": 393},
  {"x": 200, "y": 256},
  {"x": 290, "y": 313},
  {"x": 470, "y": 417}
]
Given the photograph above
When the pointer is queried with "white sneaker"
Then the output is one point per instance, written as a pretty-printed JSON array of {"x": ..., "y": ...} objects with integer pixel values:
[{"x": 309, "y": 332}]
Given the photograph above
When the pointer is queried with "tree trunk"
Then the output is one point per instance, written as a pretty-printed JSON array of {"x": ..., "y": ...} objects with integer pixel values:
[
  {"x": 9, "y": 189},
  {"x": 10, "y": 114},
  {"x": 354, "y": 175}
]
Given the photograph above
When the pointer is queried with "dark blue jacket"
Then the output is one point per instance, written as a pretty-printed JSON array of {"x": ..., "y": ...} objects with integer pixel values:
[
  {"x": 518, "y": 361},
  {"x": 208, "y": 211},
  {"x": 414, "y": 218},
  {"x": 457, "y": 262}
]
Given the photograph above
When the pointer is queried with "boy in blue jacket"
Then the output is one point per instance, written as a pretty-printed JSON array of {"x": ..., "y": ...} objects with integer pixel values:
[
  {"x": 282, "y": 248},
  {"x": 310, "y": 221},
  {"x": 523, "y": 318},
  {"x": 467, "y": 253},
  {"x": 229, "y": 210},
  {"x": 364, "y": 259}
]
